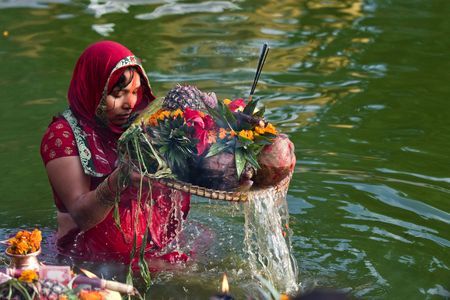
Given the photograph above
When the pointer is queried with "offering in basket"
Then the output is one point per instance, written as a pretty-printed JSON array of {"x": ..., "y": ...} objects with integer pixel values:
[{"x": 195, "y": 138}]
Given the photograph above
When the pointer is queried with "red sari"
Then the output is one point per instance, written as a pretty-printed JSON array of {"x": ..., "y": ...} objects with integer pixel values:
[{"x": 84, "y": 131}]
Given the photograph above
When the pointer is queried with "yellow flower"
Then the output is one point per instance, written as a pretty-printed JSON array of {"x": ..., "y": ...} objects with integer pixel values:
[
  {"x": 28, "y": 276},
  {"x": 222, "y": 133},
  {"x": 153, "y": 121},
  {"x": 177, "y": 113},
  {"x": 212, "y": 137},
  {"x": 23, "y": 234},
  {"x": 259, "y": 130},
  {"x": 270, "y": 129},
  {"x": 90, "y": 295},
  {"x": 22, "y": 247},
  {"x": 164, "y": 114},
  {"x": 226, "y": 101},
  {"x": 284, "y": 297},
  {"x": 247, "y": 134},
  {"x": 25, "y": 242},
  {"x": 35, "y": 240}
]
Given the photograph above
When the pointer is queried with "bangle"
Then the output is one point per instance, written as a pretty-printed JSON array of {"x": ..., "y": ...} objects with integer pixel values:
[
  {"x": 104, "y": 195},
  {"x": 109, "y": 185}
]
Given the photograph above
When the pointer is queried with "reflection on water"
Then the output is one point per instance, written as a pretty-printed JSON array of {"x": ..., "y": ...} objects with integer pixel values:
[{"x": 360, "y": 86}]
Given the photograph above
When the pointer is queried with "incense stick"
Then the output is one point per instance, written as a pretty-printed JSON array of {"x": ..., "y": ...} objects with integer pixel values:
[{"x": 261, "y": 61}]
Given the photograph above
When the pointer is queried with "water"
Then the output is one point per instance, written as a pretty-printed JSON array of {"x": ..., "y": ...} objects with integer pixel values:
[
  {"x": 267, "y": 239},
  {"x": 361, "y": 87}
]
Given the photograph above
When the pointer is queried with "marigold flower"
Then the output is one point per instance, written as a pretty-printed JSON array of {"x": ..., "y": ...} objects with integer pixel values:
[
  {"x": 163, "y": 115},
  {"x": 259, "y": 130},
  {"x": 22, "y": 247},
  {"x": 153, "y": 121},
  {"x": 270, "y": 128},
  {"x": 25, "y": 242},
  {"x": 222, "y": 133},
  {"x": 28, "y": 276},
  {"x": 23, "y": 234},
  {"x": 35, "y": 240},
  {"x": 226, "y": 101},
  {"x": 212, "y": 137},
  {"x": 90, "y": 295},
  {"x": 63, "y": 297},
  {"x": 232, "y": 133},
  {"x": 247, "y": 134},
  {"x": 284, "y": 297},
  {"x": 177, "y": 113}
]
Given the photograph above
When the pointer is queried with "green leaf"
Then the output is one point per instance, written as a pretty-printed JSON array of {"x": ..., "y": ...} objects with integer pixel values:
[
  {"x": 240, "y": 161},
  {"x": 244, "y": 141},
  {"x": 250, "y": 107},
  {"x": 129, "y": 279},
  {"x": 217, "y": 116},
  {"x": 143, "y": 266},
  {"x": 251, "y": 158},
  {"x": 216, "y": 149},
  {"x": 260, "y": 112},
  {"x": 262, "y": 140},
  {"x": 231, "y": 119}
]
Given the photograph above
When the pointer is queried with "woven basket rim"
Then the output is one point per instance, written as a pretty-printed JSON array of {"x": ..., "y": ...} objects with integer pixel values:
[{"x": 234, "y": 196}]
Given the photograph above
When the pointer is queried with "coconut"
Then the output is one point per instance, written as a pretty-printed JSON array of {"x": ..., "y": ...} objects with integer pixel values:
[
  {"x": 276, "y": 160},
  {"x": 217, "y": 172}
]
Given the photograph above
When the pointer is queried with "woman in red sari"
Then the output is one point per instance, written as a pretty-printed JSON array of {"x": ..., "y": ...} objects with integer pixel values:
[{"x": 108, "y": 89}]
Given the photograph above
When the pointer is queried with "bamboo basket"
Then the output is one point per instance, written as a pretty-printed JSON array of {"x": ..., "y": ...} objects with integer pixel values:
[{"x": 233, "y": 196}]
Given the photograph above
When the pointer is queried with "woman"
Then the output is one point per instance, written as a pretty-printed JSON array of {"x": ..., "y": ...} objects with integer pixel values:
[{"x": 79, "y": 149}]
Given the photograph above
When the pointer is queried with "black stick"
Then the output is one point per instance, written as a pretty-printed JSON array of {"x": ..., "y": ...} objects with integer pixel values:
[
  {"x": 261, "y": 61},
  {"x": 260, "y": 70}
]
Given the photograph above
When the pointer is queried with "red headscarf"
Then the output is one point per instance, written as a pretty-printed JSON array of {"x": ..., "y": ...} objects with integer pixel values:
[{"x": 96, "y": 72}]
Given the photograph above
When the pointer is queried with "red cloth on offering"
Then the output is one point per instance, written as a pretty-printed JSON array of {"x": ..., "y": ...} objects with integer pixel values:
[{"x": 84, "y": 132}]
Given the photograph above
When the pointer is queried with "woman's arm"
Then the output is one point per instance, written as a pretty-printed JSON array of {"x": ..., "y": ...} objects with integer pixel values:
[{"x": 72, "y": 185}]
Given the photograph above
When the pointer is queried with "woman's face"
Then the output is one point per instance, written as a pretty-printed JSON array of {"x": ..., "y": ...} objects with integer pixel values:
[{"x": 120, "y": 103}]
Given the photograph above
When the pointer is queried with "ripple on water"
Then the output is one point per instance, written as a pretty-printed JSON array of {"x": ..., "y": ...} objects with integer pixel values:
[{"x": 181, "y": 9}]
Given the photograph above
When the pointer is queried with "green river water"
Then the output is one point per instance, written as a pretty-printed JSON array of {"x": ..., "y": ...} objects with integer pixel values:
[{"x": 360, "y": 86}]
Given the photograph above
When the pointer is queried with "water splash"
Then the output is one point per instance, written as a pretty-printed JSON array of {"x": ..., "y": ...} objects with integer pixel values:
[{"x": 267, "y": 240}]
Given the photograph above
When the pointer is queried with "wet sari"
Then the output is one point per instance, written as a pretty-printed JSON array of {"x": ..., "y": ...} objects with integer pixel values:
[{"x": 83, "y": 130}]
